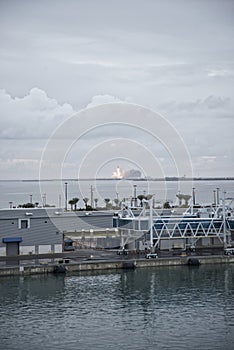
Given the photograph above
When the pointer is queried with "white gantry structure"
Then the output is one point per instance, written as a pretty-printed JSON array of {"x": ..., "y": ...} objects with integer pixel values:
[{"x": 150, "y": 229}]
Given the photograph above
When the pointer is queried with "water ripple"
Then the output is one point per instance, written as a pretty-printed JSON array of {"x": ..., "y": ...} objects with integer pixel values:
[{"x": 164, "y": 308}]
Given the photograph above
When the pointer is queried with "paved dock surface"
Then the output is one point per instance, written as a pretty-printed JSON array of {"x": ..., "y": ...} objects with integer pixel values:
[{"x": 89, "y": 259}]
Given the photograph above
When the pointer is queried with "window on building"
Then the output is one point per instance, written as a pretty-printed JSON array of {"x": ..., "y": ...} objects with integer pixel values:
[{"x": 24, "y": 223}]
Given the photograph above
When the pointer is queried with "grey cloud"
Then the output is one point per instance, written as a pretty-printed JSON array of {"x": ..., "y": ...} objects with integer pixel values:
[
  {"x": 146, "y": 52},
  {"x": 114, "y": 35},
  {"x": 213, "y": 104}
]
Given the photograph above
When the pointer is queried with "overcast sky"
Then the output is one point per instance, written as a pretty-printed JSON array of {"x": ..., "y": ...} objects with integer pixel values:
[{"x": 174, "y": 57}]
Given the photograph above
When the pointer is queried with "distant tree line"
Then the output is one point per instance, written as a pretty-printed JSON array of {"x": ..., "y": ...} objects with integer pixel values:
[{"x": 114, "y": 204}]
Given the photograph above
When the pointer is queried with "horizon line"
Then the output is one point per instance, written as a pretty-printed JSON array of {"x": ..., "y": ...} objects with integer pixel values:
[{"x": 166, "y": 178}]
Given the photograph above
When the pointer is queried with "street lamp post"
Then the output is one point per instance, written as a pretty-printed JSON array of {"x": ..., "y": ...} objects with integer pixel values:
[
  {"x": 215, "y": 202},
  {"x": 194, "y": 199},
  {"x": 44, "y": 200},
  {"x": 151, "y": 224},
  {"x": 217, "y": 196},
  {"x": 91, "y": 190},
  {"x": 60, "y": 201},
  {"x": 65, "y": 196},
  {"x": 224, "y": 223},
  {"x": 135, "y": 197}
]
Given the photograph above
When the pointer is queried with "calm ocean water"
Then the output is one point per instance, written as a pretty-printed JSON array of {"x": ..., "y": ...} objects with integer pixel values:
[
  {"x": 151, "y": 308},
  {"x": 19, "y": 192}
]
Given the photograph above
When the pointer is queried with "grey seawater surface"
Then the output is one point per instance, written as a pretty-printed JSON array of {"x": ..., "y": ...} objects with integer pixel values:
[
  {"x": 19, "y": 192},
  {"x": 151, "y": 308}
]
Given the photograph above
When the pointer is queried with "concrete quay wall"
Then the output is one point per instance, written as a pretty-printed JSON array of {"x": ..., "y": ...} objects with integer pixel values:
[
  {"x": 70, "y": 267},
  {"x": 110, "y": 265}
]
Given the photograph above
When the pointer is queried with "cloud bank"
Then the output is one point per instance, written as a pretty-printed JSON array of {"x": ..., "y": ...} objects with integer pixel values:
[
  {"x": 27, "y": 123},
  {"x": 32, "y": 116}
]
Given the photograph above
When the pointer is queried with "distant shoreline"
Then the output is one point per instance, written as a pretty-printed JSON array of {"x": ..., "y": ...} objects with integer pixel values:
[{"x": 131, "y": 179}]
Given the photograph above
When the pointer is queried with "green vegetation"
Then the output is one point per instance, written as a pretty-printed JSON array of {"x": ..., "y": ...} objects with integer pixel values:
[{"x": 73, "y": 203}]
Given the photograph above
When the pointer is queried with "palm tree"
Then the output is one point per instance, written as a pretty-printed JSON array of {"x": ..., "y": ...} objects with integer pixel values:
[
  {"x": 149, "y": 196},
  {"x": 86, "y": 202},
  {"x": 166, "y": 205},
  {"x": 107, "y": 201},
  {"x": 186, "y": 198},
  {"x": 75, "y": 200},
  {"x": 71, "y": 202},
  {"x": 141, "y": 197},
  {"x": 116, "y": 201},
  {"x": 180, "y": 197},
  {"x": 95, "y": 201}
]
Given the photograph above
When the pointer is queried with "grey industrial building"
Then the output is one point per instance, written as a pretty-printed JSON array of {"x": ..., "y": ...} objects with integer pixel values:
[{"x": 42, "y": 230}]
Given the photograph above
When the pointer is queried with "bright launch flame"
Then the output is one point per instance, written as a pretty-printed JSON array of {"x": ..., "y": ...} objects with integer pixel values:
[{"x": 118, "y": 174}]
